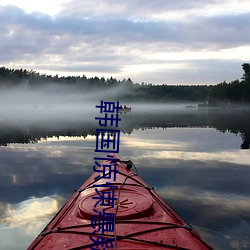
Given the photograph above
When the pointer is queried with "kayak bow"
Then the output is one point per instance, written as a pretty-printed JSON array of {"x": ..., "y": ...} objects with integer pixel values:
[{"x": 143, "y": 220}]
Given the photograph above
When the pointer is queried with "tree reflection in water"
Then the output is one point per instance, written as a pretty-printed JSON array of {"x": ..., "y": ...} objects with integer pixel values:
[{"x": 233, "y": 121}]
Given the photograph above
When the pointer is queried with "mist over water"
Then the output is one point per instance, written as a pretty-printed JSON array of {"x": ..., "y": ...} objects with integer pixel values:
[
  {"x": 44, "y": 103},
  {"x": 61, "y": 102},
  {"x": 59, "y": 109}
]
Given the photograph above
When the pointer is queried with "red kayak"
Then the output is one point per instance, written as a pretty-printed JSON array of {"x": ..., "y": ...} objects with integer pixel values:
[{"x": 123, "y": 214}]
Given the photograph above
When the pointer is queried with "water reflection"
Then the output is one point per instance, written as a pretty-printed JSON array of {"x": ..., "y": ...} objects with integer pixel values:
[
  {"x": 20, "y": 222},
  {"x": 29, "y": 210},
  {"x": 206, "y": 180},
  {"x": 193, "y": 161},
  {"x": 233, "y": 121}
]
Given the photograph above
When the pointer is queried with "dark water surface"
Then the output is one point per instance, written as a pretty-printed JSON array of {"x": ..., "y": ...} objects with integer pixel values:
[{"x": 193, "y": 158}]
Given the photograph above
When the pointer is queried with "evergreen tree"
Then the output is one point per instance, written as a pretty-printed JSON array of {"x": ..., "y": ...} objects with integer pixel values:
[{"x": 246, "y": 69}]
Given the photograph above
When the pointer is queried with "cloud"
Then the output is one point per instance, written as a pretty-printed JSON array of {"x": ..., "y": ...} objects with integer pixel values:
[
  {"x": 115, "y": 38},
  {"x": 142, "y": 9},
  {"x": 44, "y": 31}
]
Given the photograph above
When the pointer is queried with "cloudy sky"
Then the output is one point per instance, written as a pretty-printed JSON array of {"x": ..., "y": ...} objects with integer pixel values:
[{"x": 157, "y": 41}]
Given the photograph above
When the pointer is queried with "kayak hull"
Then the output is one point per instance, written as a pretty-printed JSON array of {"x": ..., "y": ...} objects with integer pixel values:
[{"x": 143, "y": 220}]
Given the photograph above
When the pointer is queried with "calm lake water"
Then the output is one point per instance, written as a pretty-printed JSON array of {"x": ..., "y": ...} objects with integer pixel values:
[{"x": 197, "y": 160}]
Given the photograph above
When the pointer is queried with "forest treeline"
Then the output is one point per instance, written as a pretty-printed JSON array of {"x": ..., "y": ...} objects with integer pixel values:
[{"x": 236, "y": 91}]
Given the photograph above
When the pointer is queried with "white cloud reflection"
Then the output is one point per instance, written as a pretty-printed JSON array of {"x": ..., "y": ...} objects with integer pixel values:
[
  {"x": 22, "y": 222},
  {"x": 201, "y": 144},
  {"x": 222, "y": 213},
  {"x": 235, "y": 156},
  {"x": 29, "y": 212},
  {"x": 228, "y": 202}
]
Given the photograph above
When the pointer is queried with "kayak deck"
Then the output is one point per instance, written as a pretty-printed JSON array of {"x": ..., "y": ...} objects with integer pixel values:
[{"x": 143, "y": 220}]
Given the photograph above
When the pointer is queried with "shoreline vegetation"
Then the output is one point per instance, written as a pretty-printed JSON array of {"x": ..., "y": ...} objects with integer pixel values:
[{"x": 223, "y": 95}]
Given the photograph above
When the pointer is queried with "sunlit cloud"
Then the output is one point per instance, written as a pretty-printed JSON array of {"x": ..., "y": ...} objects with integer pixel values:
[
  {"x": 224, "y": 54},
  {"x": 185, "y": 42},
  {"x": 46, "y": 6}
]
